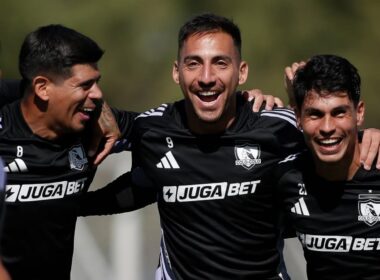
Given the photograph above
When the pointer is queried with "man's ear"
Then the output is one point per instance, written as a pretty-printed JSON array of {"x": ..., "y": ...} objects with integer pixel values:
[
  {"x": 243, "y": 72},
  {"x": 175, "y": 72},
  {"x": 40, "y": 86},
  {"x": 360, "y": 110}
]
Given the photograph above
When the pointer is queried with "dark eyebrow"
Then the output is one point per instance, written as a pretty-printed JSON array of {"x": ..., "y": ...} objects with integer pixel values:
[
  {"x": 311, "y": 110},
  {"x": 342, "y": 107},
  {"x": 216, "y": 58},
  {"x": 222, "y": 57},
  {"x": 192, "y": 57}
]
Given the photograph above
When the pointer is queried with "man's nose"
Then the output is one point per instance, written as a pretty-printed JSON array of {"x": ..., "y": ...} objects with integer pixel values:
[
  {"x": 327, "y": 126},
  {"x": 95, "y": 92},
  {"x": 207, "y": 76}
]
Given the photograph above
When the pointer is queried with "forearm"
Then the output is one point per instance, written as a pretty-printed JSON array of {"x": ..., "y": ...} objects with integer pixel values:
[{"x": 119, "y": 196}]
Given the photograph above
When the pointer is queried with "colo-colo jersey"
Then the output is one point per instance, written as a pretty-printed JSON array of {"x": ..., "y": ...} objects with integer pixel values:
[
  {"x": 44, "y": 182},
  {"x": 2, "y": 196},
  {"x": 338, "y": 223},
  {"x": 216, "y": 207}
]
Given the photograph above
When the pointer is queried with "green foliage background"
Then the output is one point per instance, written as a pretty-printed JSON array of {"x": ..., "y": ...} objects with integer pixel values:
[{"x": 139, "y": 37}]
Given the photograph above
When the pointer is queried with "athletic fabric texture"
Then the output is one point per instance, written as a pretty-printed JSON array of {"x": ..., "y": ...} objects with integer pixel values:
[
  {"x": 338, "y": 223},
  {"x": 45, "y": 180},
  {"x": 214, "y": 193}
]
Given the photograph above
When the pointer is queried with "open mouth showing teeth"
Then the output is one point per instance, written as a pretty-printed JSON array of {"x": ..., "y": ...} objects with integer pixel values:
[
  {"x": 86, "y": 111},
  {"x": 208, "y": 96},
  {"x": 329, "y": 142}
]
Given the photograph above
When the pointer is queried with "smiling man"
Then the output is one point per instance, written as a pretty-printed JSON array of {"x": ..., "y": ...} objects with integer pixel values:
[
  {"x": 42, "y": 145},
  {"x": 208, "y": 69},
  {"x": 207, "y": 159},
  {"x": 208, "y": 162},
  {"x": 326, "y": 195}
]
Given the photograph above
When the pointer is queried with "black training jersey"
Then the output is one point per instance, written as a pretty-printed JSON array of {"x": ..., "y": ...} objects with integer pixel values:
[
  {"x": 216, "y": 206},
  {"x": 338, "y": 223},
  {"x": 9, "y": 91},
  {"x": 44, "y": 182},
  {"x": 2, "y": 196}
]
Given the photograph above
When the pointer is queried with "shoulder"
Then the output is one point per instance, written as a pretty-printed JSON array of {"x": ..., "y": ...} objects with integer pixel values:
[
  {"x": 157, "y": 112},
  {"x": 293, "y": 163},
  {"x": 9, "y": 116},
  {"x": 280, "y": 124},
  {"x": 279, "y": 115},
  {"x": 372, "y": 175},
  {"x": 165, "y": 116},
  {"x": 9, "y": 91},
  {"x": 156, "y": 119}
]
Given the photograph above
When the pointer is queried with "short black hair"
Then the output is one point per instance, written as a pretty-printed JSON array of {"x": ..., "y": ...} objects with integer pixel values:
[
  {"x": 209, "y": 23},
  {"x": 327, "y": 74},
  {"x": 53, "y": 50}
]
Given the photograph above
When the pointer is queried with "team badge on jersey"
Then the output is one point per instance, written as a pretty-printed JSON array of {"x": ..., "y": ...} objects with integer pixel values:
[
  {"x": 77, "y": 158},
  {"x": 247, "y": 155},
  {"x": 369, "y": 208}
]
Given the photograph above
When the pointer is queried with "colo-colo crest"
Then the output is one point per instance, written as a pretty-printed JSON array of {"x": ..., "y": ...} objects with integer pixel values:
[
  {"x": 369, "y": 208},
  {"x": 247, "y": 155}
]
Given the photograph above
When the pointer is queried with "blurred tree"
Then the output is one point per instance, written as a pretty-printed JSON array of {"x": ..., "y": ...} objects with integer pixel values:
[{"x": 140, "y": 39}]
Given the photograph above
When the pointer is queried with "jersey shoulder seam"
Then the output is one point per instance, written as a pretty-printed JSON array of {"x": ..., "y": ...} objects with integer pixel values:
[
  {"x": 156, "y": 112},
  {"x": 281, "y": 113}
]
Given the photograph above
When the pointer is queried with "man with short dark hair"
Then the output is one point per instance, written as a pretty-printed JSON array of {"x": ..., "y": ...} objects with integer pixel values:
[
  {"x": 326, "y": 195},
  {"x": 207, "y": 160},
  {"x": 44, "y": 151},
  {"x": 45, "y": 148}
]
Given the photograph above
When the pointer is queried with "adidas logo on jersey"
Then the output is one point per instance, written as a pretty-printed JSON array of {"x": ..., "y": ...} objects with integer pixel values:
[
  {"x": 16, "y": 166},
  {"x": 300, "y": 208},
  {"x": 168, "y": 162}
]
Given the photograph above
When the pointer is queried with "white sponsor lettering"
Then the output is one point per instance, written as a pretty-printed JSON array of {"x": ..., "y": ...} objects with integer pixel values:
[
  {"x": 366, "y": 244},
  {"x": 46, "y": 191},
  {"x": 333, "y": 243},
  {"x": 211, "y": 191},
  {"x": 201, "y": 192},
  {"x": 327, "y": 243},
  {"x": 75, "y": 186},
  {"x": 42, "y": 191}
]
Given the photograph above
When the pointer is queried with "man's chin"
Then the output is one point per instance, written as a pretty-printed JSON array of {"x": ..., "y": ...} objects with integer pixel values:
[
  {"x": 78, "y": 128},
  {"x": 329, "y": 158}
]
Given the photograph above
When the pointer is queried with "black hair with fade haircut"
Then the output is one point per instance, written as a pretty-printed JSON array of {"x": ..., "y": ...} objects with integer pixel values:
[
  {"x": 326, "y": 74},
  {"x": 209, "y": 23},
  {"x": 52, "y": 50}
]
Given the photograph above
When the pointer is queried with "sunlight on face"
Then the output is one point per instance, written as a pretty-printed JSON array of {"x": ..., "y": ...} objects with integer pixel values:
[{"x": 208, "y": 72}]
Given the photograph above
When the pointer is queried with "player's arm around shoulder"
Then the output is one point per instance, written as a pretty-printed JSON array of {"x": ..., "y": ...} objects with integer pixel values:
[
  {"x": 282, "y": 125},
  {"x": 124, "y": 194}
]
